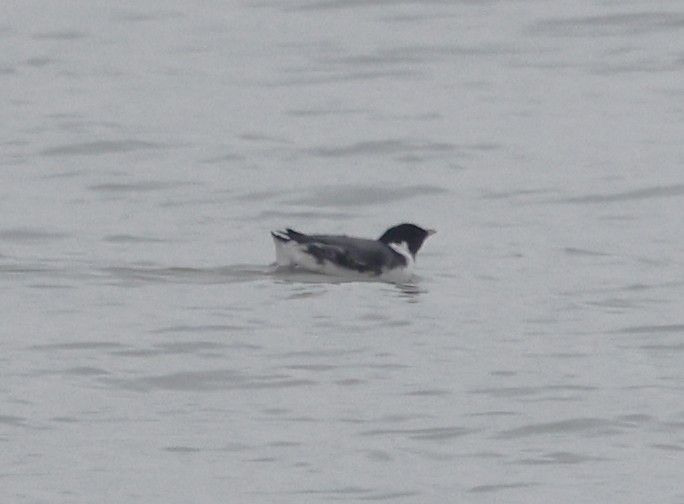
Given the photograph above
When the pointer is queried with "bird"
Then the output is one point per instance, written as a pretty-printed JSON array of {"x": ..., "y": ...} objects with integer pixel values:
[{"x": 390, "y": 258}]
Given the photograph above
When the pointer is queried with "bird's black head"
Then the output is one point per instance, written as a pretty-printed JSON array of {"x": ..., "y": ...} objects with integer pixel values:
[{"x": 413, "y": 235}]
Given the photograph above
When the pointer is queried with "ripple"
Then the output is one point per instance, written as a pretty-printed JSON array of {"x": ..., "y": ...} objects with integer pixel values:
[
  {"x": 137, "y": 275},
  {"x": 79, "y": 345},
  {"x": 30, "y": 235},
  {"x": 674, "y": 190},
  {"x": 85, "y": 371},
  {"x": 560, "y": 458},
  {"x": 502, "y": 392},
  {"x": 40, "y": 61},
  {"x": 588, "y": 426},
  {"x": 429, "y": 434},
  {"x": 127, "y": 238},
  {"x": 181, "y": 449},
  {"x": 199, "y": 348},
  {"x": 100, "y": 147},
  {"x": 668, "y": 447},
  {"x": 632, "y": 23},
  {"x": 199, "y": 381},
  {"x": 664, "y": 347},
  {"x": 355, "y": 4},
  {"x": 359, "y": 195},
  {"x": 60, "y": 35},
  {"x": 584, "y": 252},
  {"x": 382, "y": 147},
  {"x": 15, "y": 421},
  {"x": 360, "y": 493},
  {"x": 500, "y": 487},
  {"x": 200, "y": 328},
  {"x": 429, "y": 392},
  {"x": 138, "y": 186},
  {"x": 653, "y": 329},
  {"x": 279, "y": 214}
]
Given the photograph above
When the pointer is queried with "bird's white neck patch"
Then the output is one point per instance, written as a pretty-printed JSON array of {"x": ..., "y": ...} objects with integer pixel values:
[
  {"x": 402, "y": 248},
  {"x": 404, "y": 274}
]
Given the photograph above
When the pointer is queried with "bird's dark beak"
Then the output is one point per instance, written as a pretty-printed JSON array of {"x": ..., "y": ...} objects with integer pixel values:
[{"x": 430, "y": 232}]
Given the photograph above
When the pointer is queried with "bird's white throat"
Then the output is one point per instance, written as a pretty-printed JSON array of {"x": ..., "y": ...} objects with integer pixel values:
[{"x": 403, "y": 249}]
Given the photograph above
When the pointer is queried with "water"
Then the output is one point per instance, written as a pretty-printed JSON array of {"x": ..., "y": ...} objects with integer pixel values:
[{"x": 148, "y": 353}]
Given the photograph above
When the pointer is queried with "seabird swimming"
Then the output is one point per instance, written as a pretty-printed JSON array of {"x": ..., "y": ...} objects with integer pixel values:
[{"x": 389, "y": 258}]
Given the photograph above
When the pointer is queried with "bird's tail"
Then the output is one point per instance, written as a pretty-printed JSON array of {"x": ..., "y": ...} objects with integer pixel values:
[
  {"x": 287, "y": 235},
  {"x": 282, "y": 236}
]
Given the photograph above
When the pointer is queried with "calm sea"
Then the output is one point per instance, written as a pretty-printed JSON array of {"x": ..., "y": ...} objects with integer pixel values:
[{"x": 149, "y": 355}]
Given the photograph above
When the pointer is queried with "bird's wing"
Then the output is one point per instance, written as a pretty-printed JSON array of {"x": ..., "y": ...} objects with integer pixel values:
[
  {"x": 359, "y": 254},
  {"x": 342, "y": 257},
  {"x": 364, "y": 256}
]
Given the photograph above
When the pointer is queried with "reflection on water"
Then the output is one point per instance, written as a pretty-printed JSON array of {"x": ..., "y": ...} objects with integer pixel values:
[{"x": 225, "y": 274}]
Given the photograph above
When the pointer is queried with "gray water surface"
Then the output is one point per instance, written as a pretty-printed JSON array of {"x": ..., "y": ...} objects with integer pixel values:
[{"x": 148, "y": 353}]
